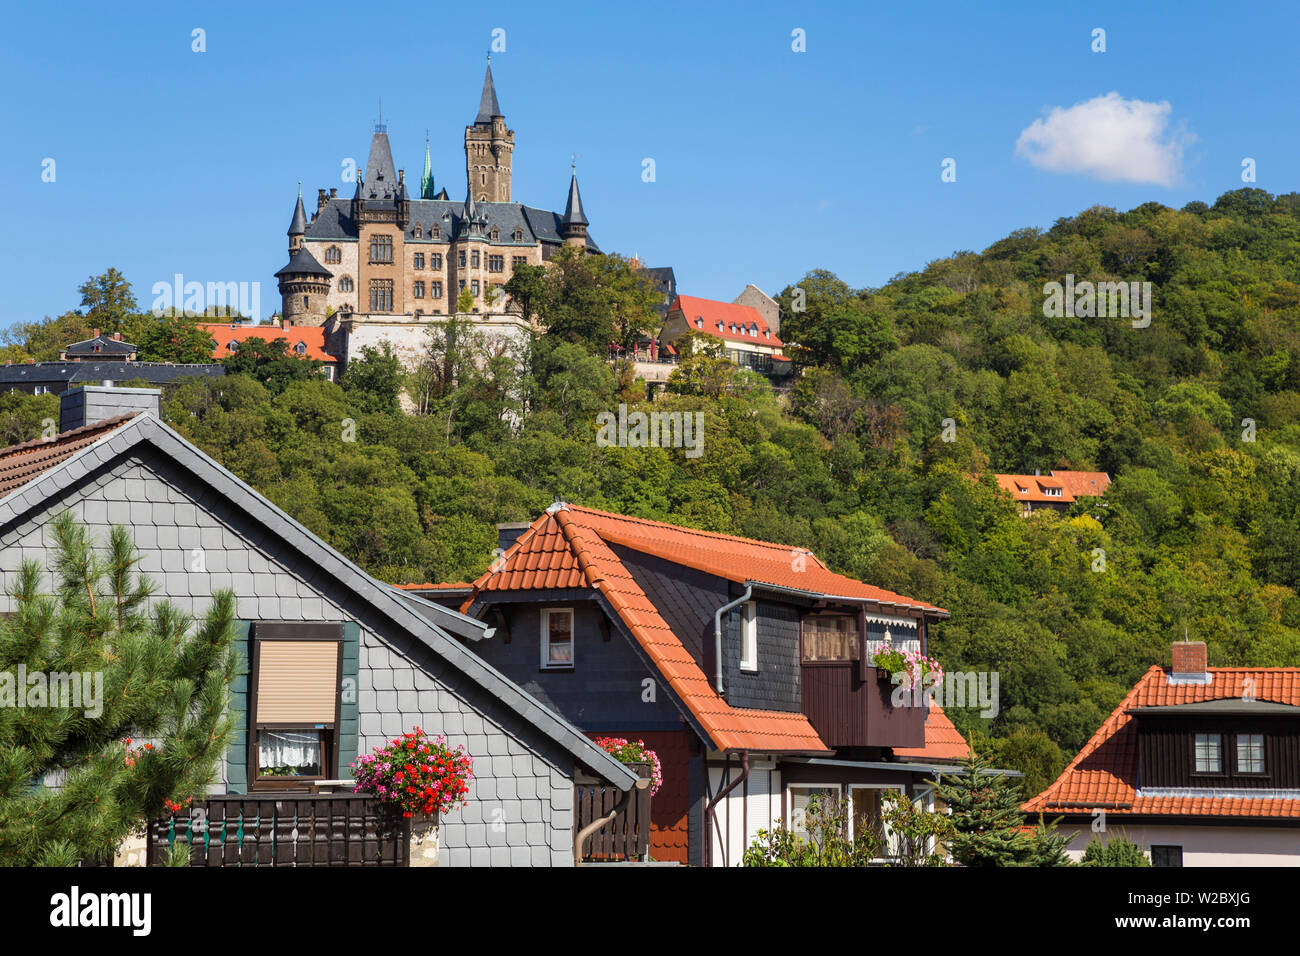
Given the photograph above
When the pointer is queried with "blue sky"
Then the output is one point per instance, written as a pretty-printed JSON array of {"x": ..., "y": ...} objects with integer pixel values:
[{"x": 768, "y": 162}]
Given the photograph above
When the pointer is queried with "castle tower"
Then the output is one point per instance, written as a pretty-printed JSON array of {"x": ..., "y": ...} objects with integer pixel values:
[
  {"x": 304, "y": 285},
  {"x": 298, "y": 227},
  {"x": 489, "y": 147},
  {"x": 573, "y": 224}
]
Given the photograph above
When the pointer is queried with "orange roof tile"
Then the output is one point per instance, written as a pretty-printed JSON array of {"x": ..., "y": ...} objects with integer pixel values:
[
  {"x": 446, "y": 586},
  {"x": 1104, "y": 774},
  {"x": 570, "y": 547},
  {"x": 19, "y": 464},
  {"x": 942, "y": 741},
  {"x": 725, "y": 320},
  {"x": 1084, "y": 484},
  {"x": 311, "y": 337},
  {"x": 1069, "y": 485}
]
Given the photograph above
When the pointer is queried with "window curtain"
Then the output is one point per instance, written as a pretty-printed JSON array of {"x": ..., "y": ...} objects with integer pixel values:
[{"x": 299, "y": 750}]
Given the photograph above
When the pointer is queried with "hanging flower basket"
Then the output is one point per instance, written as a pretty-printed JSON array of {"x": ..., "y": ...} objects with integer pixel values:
[
  {"x": 636, "y": 755},
  {"x": 416, "y": 775}
]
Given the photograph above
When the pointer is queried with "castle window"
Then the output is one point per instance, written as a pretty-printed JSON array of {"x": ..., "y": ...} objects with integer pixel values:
[
  {"x": 435, "y": 290},
  {"x": 474, "y": 287},
  {"x": 518, "y": 261},
  {"x": 462, "y": 259},
  {"x": 381, "y": 248},
  {"x": 333, "y": 255},
  {"x": 435, "y": 232},
  {"x": 462, "y": 285},
  {"x": 419, "y": 231},
  {"x": 519, "y": 234},
  {"x": 496, "y": 263},
  {"x": 482, "y": 178},
  {"x": 345, "y": 284},
  {"x": 473, "y": 259},
  {"x": 496, "y": 233},
  {"x": 304, "y": 303},
  {"x": 381, "y": 295},
  {"x": 418, "y": 290},
  {"x": 483, "y": 198},
  {"x": 418, "y": 260},
  {"x": 435, "y": 260}
]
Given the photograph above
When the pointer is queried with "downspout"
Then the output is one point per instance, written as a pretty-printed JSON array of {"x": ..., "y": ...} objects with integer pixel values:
[
  {"x": 595, "y": 825},
  {"x": 717, "y": 630},
  {"x": 709, "y": 821}
]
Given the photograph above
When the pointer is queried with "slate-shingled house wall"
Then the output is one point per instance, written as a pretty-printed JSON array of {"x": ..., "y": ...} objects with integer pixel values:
[{"x": 521, "y": 806}]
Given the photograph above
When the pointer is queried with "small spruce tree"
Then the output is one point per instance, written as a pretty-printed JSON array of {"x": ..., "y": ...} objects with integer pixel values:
[
  {"x": 986, "y": 816},
  {"x": 77, "y": 776}
]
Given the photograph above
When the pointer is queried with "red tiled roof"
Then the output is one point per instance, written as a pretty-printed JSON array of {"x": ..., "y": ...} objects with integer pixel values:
[
  {"x": 312, "y": 338},
  {"x": 570, "y": 547},
  {"x": 20, "y": 464},
  {"x": 450, "y": 586},
  {"x": 1104, "y": 774},
  {"x": 1070, "y": 484},
  {"x": 718, "y": 318},
  {"x": 942, "y": 741}
]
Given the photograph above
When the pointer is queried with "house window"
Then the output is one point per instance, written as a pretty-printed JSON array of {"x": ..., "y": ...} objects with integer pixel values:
[
  {"x": 381, "y": 248},
  {"x": 496, "y": 263},
  {"x": 1250, "y": 753},
  {"x": 417, "y": 290},
  {"x": 831, "y": 637},
  {"x": 333, "y": 255},
  {"x": 294, "y": 711},
  {"x": 518, "y": 261},
  {"x": 557, "y": 637},
  {"x": 418, "y": 260},
  {"x": 798, "y": 798},
  {"x": 749, "y": 636},
  {"x": 435, "y": 260},
  {"x": 381, "y": 295},
  {"x": 1209, "y": 753},
  {"x": 867, "y": 815},
  {"x": 473, "y": 259},
  {"x": 518, "y": 234},
  {"x": 435, "y": 290},
  {"x": 1166, "y": 855}
]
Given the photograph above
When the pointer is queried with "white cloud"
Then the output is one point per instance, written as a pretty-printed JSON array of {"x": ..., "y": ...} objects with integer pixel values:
[{"x": 1109, "y": 138}]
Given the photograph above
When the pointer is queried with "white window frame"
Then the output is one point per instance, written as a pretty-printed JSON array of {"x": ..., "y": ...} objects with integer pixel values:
[
  {"x": 889, "y": 837},
  {"x": 790, "y": 788},
  {"x": 1247, "y": 739},
  {"x": 546, "y": 662},
  {"x": 1196, "y": 757},
  {"x": 749, "y": 637}
]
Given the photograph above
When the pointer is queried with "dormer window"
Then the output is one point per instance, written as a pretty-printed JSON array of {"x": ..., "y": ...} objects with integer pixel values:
[
  {"x": 496, "y": 233},
  {"x": 435, "y": 232},
  {"x": 1209, "y": 753},
  {"x": 699, "y": 323},
  {"x": 767, "y": 334},
  {"x": 212, "y": 344},
  {"x": 300, "y": 348},
  {"x": 233, "y": 345},
  {"x": 419, "y": 231},
  {"x": 519, "y": 234},
  {"x": 1250, "y": 753}
]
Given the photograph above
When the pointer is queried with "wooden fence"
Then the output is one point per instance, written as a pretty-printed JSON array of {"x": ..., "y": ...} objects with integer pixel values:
[
  {"x": 277, "y": 830},
  {"x": 627, "y": 836}
]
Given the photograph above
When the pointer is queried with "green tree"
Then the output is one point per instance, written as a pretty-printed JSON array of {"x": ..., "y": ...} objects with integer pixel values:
[
  {"x": 1119, "y": 850},
  {"x": 270, "y": 363},
  {"x": 150, "y": 729},
  {"x": 374, "y": 381}
]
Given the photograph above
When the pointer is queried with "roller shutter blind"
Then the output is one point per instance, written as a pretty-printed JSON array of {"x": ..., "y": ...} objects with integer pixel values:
[{"x": 297, "y": 681}]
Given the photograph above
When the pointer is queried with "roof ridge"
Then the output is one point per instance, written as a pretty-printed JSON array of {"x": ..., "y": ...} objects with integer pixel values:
[
  {"x": 80, "y": 430},
  {"x": 785, "y": 549}
]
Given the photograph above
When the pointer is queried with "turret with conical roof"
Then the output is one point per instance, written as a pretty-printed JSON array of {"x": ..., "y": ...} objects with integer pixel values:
[
  {"x": 489, "y": 147},
  {"x": 298, "y": 225},
  {"x": 573, "y": 224},
  {"x": 304, "y": 286}
]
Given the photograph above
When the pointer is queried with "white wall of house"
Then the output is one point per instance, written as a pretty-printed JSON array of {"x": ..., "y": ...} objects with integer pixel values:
[
  {"x": 754, "y": 805},
  {"x": 1204, "y": 845}
]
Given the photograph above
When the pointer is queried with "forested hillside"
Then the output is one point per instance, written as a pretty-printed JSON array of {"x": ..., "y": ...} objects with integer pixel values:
[{"x": 1198, "y": 537}]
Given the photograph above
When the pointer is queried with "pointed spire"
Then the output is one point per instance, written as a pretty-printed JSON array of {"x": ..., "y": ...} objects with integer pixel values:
[
  {"x": 426, "y": 181},
  {"x": 488, "y": 106},
  {"x": 298, "y": 226},
  {"x": 573, "y": 215},
  {"x": 470, "y": 212}
]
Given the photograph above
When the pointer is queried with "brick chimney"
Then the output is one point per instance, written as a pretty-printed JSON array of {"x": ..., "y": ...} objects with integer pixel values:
[
  {"x": 1190, "y": 663},
  {"x": 95, "y": 334}
]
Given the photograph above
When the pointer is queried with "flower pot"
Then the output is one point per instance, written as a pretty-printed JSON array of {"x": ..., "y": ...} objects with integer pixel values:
[
  {"x": 424, "y": 840},
  {"x": 882, "y": 673}
]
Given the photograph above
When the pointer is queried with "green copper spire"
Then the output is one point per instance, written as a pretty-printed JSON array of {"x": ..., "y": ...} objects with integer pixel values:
[{"x": 426, "y": 181}]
